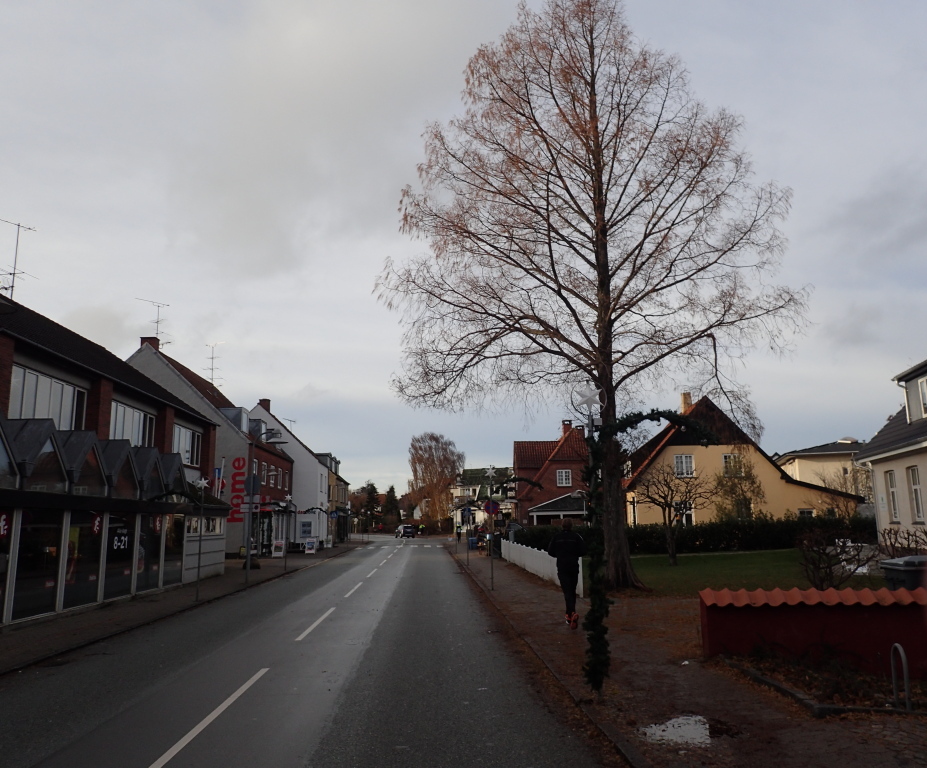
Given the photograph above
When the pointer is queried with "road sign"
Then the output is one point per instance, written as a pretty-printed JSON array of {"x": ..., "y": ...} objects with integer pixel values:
[{"x": 492, "y": 507}]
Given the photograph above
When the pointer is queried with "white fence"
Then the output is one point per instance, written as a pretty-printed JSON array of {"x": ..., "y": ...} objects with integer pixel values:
[{"x": 537, "y": 562}]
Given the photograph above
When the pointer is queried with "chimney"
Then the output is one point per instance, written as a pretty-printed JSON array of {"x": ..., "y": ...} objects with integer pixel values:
[
  {"x": 566, "y": 425},
  {"x": 686, "y": 402},
  {"x": 151, "y": 341},
  {"x": 264, "y": 403}
]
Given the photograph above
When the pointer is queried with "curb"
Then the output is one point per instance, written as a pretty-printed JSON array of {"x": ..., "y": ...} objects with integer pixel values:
[{"x": 624, "y": 748}]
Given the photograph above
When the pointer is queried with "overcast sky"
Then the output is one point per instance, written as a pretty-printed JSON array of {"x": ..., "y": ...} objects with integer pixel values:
[{"x": 241, "y": 162}]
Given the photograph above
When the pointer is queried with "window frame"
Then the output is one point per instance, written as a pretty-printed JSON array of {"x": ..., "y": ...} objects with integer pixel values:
[
  {"x": 917, "y": 497},
  {"x": 922, "y": 390},
  {"x": 564, "y": 478},
  {"x": 892, "y": 492},
  {"x": 130, "y": 423},
  {"x": 679, "y": 465},
  {"x": 733, "y": 464}
]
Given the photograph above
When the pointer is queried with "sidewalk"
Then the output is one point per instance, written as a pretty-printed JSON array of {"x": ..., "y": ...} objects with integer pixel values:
[
  {"x": 43, "y": 639},
  {"x": 658, "y": 675}
]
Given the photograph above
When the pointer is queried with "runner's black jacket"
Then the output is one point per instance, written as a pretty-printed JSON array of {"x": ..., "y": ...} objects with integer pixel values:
[{"x": 567, "y": 547}]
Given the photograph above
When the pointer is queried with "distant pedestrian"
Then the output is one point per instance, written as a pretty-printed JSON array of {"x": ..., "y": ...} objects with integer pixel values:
[
  {"x": 458, "y": 534},
  {"x": 568, "y": 547}
]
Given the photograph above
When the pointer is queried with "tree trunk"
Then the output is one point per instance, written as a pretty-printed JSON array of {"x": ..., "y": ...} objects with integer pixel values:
[{"x": 671, "y": 542}]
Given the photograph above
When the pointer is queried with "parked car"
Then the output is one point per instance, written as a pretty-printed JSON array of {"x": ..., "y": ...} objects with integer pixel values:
[{"x": 405, "y": 532}]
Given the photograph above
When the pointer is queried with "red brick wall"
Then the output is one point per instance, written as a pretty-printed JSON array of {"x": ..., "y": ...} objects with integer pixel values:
[
  {"x": 7, "y": 349},
  {"x": 99, "y": 407}
]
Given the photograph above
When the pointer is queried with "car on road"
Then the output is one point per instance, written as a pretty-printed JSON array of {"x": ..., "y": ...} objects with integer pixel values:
[{"x": 405, "y": 532}]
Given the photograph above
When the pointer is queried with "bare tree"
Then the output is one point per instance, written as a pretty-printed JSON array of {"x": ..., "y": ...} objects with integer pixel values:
[
  {"x": 738, "y": 491},
  {"x": 588, "y": 221},
  {"x": 674, "y": 495},
  {"x": 845, "y": 483},
  {"x": 435, "y": 463}
]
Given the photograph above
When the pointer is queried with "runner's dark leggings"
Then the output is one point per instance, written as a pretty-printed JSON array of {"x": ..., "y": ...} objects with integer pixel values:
[{"x": 568, "y": 583}]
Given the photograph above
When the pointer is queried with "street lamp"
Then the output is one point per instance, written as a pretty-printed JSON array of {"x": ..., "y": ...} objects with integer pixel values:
[{"x": 254, "y": 489}]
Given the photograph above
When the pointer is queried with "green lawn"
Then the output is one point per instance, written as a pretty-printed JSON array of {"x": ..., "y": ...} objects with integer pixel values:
[{"x": 735, "y": 570}]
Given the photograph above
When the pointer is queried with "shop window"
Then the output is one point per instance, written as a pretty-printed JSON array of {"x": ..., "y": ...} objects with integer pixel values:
[
  {"x": 36, "y": 588},
  {"x": 8, "y": 475},
  {"x": 84, "y": 548},
  {"x": 120, "y": 557},
  {"x": 173, "y": 549},
  {"x": 6, "y": 537},
  {"x": 148, "y": 563}
]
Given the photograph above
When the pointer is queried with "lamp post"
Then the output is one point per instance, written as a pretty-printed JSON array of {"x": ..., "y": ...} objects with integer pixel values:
[
  {"x": 253, "y": 489},
  {"x": 201, "y": 485}
]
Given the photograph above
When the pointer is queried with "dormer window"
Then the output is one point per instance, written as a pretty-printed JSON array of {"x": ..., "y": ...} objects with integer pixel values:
[{"x": 922, "y": 389}]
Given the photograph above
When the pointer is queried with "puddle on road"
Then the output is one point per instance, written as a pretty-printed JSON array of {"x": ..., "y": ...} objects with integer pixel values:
[{"x": 691, "y": 730}]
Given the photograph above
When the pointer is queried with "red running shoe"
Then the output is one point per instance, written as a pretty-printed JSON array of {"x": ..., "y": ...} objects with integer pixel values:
[
  {"x": 574, "y": 620},
  {"x": 569, "y": 618}
]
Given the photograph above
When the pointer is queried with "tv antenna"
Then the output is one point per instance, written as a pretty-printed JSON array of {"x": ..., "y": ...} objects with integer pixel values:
[
  {"x": 289, "y": 422},
  {"x": 157, "y": 321},
  {"x": 16, "y": 271},
  {"x": 212, "y": 363}
]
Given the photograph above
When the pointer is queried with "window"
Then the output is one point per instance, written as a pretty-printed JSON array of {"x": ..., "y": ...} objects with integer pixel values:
[
  {"x": 128, "y": 423},
  {"x": 806, "y": 513},
  {"x": 263, "y": 473},
  {"x": 564, "y": 478},
  {"x": 286, "y": 481},
  {"x": 892, "y": 495},
  {"x": 188, "y": 444},
  {"x": 733, "y": 465},
  {"x": 683, "y": 510},
  {"x": 922, "y": 388},
  {"x": 917, "y": 500},
  {"x": 36, "y": 396},
  {"x": 684, "y": 465},
  {"x": 273, "y": 477}
]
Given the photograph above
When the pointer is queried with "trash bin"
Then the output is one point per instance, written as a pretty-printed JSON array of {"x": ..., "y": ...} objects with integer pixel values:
[
  {"x": 471, "y": 542},
  {"x": 905, "y": 572}
]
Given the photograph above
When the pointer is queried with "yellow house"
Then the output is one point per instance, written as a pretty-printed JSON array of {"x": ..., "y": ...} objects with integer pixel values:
[{"x": 676, "y": 473}]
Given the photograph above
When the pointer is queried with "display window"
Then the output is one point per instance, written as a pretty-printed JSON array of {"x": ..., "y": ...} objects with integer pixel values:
[
  {"x": 148, "y": 567},
  {"x": 173, "y": 549},
  {"x": 84, "y": 548},
  {"x": 6, "y": 536},
  {"x": 120, "y": 556},
  {"x": 36, "y": 587}
]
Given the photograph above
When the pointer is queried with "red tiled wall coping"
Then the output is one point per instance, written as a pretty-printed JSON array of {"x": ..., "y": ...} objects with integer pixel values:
[
  {"x": 858, "y": 626},
  {"x": 743, "y": 598}
]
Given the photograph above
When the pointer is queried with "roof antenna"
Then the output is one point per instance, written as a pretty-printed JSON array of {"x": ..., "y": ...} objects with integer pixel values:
[
  {"x": 16, "y": 271},
  {"x": 290, "y": 423},
  {"x": 212, "y": 363},
  {"x": 157, "y": 321}
]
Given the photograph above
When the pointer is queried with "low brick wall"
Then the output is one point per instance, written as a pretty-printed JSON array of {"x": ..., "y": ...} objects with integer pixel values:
[{"x": 857, "y": 626}]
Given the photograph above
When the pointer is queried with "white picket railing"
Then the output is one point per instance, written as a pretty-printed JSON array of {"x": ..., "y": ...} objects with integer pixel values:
[{"x": 536, "y": 561}]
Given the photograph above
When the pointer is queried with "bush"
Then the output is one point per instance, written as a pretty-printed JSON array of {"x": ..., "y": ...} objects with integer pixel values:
[{"x": 758, "y": 533}]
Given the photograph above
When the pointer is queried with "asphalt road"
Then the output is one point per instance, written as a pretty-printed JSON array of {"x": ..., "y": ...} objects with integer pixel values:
[{"x": 381, "y": 657}]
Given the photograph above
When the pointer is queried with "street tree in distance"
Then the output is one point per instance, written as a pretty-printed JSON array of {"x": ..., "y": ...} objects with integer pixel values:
[
  {"x": 391, "y": 509},
  {"x": 435, "y": 463},
  {"x": 589, "y": 221}
]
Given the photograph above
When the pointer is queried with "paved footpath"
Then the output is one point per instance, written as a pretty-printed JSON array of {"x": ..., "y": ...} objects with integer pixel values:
[{"x": 658, "y": 675}]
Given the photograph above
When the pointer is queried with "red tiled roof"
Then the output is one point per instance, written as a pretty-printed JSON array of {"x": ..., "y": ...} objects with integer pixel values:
[
  {"x": 743, "y": 598},
  {"x": 532, "y": 454}
]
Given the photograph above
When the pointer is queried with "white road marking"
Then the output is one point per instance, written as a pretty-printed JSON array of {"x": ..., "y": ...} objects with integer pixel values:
[
  {"x": 172, "y": 752},
  {"x": 385, "y": 546},
  {"x": 427, "y": 546},
  {"x": 353, "y": 590},
  {"x": 383, "y": 563},
  {"x": 316, "y": 623},
  {"x": 371, "y": 573}
]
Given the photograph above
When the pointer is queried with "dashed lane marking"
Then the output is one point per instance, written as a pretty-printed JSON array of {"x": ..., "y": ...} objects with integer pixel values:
[
  {"x": 353, "y": 590},
  {"x": 316, "y": 623},
  {"x": 169, "y": 755},
  {"x": 371, "y": 573}
]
